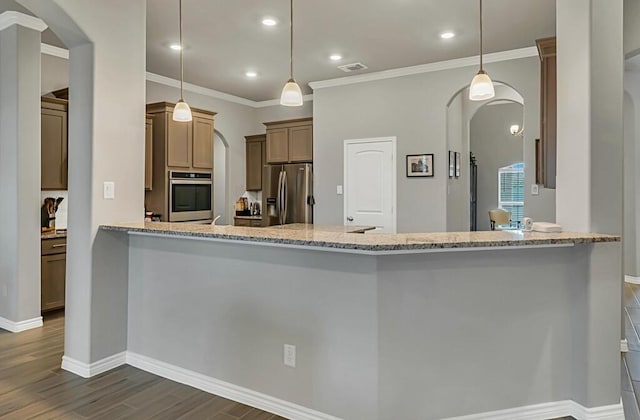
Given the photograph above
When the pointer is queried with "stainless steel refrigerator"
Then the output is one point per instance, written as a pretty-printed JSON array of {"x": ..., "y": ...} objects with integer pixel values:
[{"x": 287, "y": 194}]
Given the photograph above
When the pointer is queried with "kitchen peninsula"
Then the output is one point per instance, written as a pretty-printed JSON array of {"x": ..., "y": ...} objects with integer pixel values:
[{"x": 419, "y": 325}]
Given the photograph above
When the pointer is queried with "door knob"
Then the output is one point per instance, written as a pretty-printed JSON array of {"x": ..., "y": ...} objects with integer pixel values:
[{"x": 350, "y": 219}]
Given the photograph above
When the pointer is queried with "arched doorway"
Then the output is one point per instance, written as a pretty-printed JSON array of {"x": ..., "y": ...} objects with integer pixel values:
[
  {"x": 463, "y": 202},
  {"x": 220, "y": 178}
]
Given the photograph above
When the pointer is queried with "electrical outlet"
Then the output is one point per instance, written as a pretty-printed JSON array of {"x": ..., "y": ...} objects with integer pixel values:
[
  {"x": 290, "y": 355},
  {"x": 339, "y": 190},
  {"x": 535, "y": 190},
  {"x": 109, "y": 190}
]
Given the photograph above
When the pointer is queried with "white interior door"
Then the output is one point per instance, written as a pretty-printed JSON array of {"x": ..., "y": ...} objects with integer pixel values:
[{"x": 370, "y": 183}]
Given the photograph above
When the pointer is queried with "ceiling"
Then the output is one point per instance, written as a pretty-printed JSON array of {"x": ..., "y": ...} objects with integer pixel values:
[{"x": 225, "y": 38}]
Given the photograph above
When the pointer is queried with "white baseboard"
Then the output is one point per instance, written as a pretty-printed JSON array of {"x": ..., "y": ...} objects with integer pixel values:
[
  {"x": 550, "y": 411},
  {"x": 16, "y": 327},
  {"x": 87, "y": 370},
  {"x": 632, "y": 279},
  {"x": 624, "y": 345},
  {"x": 224, "y": 389},
  {"x": 297, "y": 412}
]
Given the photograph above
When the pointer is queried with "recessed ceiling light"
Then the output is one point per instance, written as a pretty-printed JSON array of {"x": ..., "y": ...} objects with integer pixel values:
[
  {"x": 335, "y": 57},
  {"x": 175, "y": 47},
  {"x": 447, "y": 35},
  {"x": 269, "y": 22},
  {"x": 251, "y": 74}
]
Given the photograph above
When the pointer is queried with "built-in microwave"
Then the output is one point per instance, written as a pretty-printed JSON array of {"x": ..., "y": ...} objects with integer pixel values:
[{"x": 190, "y": 196}]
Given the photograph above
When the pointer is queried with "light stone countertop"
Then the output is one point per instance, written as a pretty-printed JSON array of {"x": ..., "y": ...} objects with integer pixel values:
[
  {"x": 53, "y": 234},
  {"x": 338, "y": 238}
]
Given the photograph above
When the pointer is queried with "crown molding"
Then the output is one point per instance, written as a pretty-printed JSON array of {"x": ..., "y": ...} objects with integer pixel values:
[
  {"x": 342, "y": 81},
  {"x": 11, "y": 18},
  {"x": 274, "y": 102},
  {"x": 54, "y": 51},
  {"x": 167, "y": 81},
  {"x": 427, "y": 68}
]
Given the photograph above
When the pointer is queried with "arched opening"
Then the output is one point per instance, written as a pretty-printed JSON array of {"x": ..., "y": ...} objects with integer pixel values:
[
  {"x": 471, "y": 189},
  {"x": 221, "y": 178}
]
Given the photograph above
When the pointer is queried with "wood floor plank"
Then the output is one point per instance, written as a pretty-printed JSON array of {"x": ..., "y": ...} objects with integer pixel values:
[{"x": 33, "y": 386}]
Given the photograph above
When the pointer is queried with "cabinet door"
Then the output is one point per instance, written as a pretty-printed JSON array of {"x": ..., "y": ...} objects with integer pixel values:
[
  {"x": 254, "y": 165},
  {"x": 549, "y": 111},
  {"x": 301, "y": 144},
  {"x": 54, "y": 149},
  {"x": 179, "y": 143},
  {"x": 277, "y": 145},
  {"x": 242, "y": 222},
  {"x": 53, "y": 273},
  {"x": 148, "y": 154},
  {"x": 202, "y": 143}
]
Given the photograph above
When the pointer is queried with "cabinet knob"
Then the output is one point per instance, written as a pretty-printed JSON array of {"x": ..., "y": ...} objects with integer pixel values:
[{"x": 350, "y": 219}]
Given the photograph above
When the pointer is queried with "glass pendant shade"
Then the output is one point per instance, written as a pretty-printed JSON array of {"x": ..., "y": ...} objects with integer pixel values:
[
  {"x": 481, "y": 87},
  {"x": 291, "y": 94},
  {"x": 182, "y": 112}
]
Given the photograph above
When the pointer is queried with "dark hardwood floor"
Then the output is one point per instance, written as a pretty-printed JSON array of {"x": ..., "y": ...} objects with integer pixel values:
[{"x": 32, "y": 386}]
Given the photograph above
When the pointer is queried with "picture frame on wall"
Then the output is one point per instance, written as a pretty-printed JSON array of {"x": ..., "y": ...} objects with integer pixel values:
[
  {"x": 452, "y": 164},
  {"x": 458, "y": 164},
  {"x": 420, "y": 165}
]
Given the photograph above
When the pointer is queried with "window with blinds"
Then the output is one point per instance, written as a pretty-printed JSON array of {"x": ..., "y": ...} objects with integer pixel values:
[{"x": 511, "y": 191}]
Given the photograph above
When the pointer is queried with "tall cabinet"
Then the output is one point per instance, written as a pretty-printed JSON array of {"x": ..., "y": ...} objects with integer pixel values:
[
  {"x": 54, "y": 143},
  {"x": 176, "y": 146},
  {"x": 547, "y": 147},
  {"x": 255, "y": 160}
]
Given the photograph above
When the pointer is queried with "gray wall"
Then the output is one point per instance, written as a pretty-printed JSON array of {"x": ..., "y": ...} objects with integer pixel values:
[
  {"x": 414, "y": 109},
  {"x": 55, "y": 73},
  {"x": 403, "y": 351},
  {"x": 19, "y": 179},
  {"x": 457, "y": 189},
  {"x": 494, "y": 147},
  {"x": 106, "y": 143}
]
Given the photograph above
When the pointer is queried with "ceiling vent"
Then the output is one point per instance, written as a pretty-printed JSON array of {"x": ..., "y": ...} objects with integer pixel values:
[{"x": 348, "y": 68}]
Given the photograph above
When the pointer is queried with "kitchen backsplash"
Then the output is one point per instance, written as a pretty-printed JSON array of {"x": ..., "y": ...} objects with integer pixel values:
[{"x": 61, "y": 214}]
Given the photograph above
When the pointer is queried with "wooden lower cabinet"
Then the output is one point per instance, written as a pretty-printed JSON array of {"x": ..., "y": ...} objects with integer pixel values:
[
  {"x": 247, "y": 222},
  {"x": 53, "y": 274}
]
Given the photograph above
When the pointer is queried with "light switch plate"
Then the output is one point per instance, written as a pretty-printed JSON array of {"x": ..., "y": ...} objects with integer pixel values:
[
  {"x": 339, "y": 190},
  {"x": 109, "y": 190},
  {"x": 535, "y": 190}
]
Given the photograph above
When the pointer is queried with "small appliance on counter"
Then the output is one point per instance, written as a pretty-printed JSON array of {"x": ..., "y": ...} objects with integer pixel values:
[
  {"x": 48, "y": 213},
  {"x": 546, "y": 227},
  {"x": 242, "y": 207}
]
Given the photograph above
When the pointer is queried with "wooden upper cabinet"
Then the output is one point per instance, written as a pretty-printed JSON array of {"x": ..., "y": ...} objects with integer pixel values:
[
  {"x": 186, "y": 145},
  {"x": 148, "y": 153},
  {"x": 548, "y": 111},
  {"x": 301, "y": 144},
  {"x": 290, "y": 141},
  {"x": 54, "y": 143},
  {"x": 179, "y": 144},
  {"x": 202, "y": 143},
  {"x": 255, "y": 160},
  {"x": 277, "y": 145}
]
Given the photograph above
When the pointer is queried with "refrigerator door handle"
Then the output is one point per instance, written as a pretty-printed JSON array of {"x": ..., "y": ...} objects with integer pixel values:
[
  {"x": 279, "y": 197},
  {"x": 285, "y": 203}
]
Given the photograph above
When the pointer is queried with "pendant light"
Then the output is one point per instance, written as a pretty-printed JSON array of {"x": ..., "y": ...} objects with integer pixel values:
[
  {"x": 291, "y": 93},
  {"x": 181, "y": 112},
  {"x": 481, "y": 87}
]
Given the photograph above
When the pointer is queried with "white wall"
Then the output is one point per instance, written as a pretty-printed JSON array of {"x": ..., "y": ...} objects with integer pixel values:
[
  {"x": 414, "y": 109},
  {"x": 55, "y": 73},
  {"x": 631, "y": 27},
  {"x": 494, "y": 147}
]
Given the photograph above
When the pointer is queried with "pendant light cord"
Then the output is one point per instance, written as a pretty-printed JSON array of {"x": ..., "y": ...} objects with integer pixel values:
[
  {"x": 181, "y": 55},
  {"x": 481, "y": 68},
  {"x": 290, "y": 42}
]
